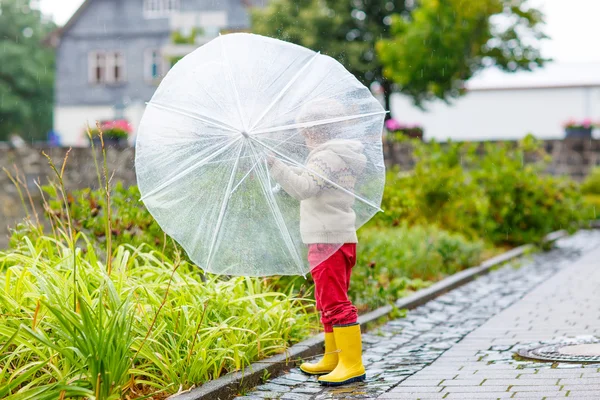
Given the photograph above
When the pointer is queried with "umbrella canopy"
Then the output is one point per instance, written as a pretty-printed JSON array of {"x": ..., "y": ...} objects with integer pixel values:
[{"x": 218, "y": 122}]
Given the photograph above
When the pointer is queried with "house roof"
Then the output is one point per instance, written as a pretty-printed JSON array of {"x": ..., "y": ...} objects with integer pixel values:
[
  {"x": 552, "y": 75},
  {"x": 54, "y": 37}
]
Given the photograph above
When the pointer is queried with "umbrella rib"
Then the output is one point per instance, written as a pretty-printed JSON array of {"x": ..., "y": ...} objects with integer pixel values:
[
  {"x": 346, "y": 156},
  {"x": 284, "y": 90},
  {"x": 244, "y": 177},
  {"x": 317, "y": 122},
  {"x": 223, "y": 208},
  {"x": 292, "y": 161},
  {"x": 190, "y": 169},
  {"x": 314, "y": 96},
  {"x": 279, "y": 220},
  {"x": 176, "y": 110},
  {"x": 258, "y": 160}
]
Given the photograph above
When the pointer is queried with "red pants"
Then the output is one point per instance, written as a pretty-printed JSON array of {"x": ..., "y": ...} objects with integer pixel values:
[{"x": 332, "y": 280}]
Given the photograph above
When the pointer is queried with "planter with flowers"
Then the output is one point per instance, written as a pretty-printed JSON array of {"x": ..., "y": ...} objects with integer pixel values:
[
  {"x": 580, "y": 129},
  {"x": 114, "y": 133},
  {"x": 398, "y": 131}
]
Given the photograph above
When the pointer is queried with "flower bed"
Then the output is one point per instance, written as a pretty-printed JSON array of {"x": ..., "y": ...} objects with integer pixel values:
[
  {"x": 113, "y": 132},
  {"x": 574, "y": 128},
  {"x": 398, "y": 131}
]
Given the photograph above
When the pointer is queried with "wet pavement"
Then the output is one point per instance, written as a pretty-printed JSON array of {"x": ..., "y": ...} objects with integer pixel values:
[{"x": 472, "y": 329}]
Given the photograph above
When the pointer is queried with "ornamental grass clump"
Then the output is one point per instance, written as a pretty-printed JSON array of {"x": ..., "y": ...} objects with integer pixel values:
[
  {"x": 152, "y": 326},
  {"x": 83, "y": 318}
]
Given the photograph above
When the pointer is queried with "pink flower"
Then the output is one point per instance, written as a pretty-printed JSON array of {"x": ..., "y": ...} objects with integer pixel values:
[
  {"x": 587, "y": 123},
  {"x": 393, "y": 125},
  {"x": 120, "y": 124}
]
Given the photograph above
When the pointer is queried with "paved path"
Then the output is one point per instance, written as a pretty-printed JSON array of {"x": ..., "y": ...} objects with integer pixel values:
[
  {"x": 481, "y": 366},
  {"x": 461, "y": 345}
]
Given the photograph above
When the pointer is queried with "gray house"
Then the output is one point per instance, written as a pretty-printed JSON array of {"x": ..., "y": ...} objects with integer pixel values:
[{"x": 112, "y": 54}]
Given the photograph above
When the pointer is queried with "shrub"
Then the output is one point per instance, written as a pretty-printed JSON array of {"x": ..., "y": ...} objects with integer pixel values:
[
  {"x": 439, "y": 191},
  {"x": 400, "y": 203},
  {"x": 591, "y": 184},
  {"x": 525, "y": 203},
  {"x": 393, "y": 262},
  {"x": 497, "y": 196}
]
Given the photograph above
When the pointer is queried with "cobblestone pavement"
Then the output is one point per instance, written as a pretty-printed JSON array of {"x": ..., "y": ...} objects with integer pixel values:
[{"x": 461, "y": 345}]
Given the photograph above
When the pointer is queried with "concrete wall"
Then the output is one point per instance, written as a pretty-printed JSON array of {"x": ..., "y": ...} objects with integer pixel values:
[{"x": 502, "y": 114}]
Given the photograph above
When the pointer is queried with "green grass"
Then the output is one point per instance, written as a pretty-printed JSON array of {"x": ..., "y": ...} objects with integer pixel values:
[
  {"x": 394, "y": 262},
  {"x": 153, "y": 325}
]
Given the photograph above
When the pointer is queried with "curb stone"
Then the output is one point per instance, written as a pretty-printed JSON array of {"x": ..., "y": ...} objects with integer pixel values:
[{"x": 230, "y": 385}]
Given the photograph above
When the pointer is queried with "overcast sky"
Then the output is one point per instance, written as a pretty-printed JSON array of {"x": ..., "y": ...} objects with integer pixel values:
[{"x": 572, "y": 25}]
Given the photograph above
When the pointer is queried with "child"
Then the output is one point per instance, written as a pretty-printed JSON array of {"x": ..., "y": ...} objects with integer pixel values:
[{"x": 328, "y": 227}]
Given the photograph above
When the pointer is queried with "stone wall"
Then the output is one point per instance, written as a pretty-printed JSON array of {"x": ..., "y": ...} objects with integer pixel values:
[
  {"x": 572, "y": 157},
  {"x": 32, "y": 165}
]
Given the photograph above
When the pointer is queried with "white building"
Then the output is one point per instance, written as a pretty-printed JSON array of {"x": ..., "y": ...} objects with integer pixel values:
[{"x": 508, "y": 106}]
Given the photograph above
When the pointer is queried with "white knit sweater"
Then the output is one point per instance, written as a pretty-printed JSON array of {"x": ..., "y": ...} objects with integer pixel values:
[{"x": 326, "y": 213}]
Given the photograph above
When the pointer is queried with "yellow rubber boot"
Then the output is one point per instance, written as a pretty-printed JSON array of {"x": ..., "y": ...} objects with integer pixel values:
[
  {"x": 350, "y": 367},
  {"x": 329, "y": 361}
]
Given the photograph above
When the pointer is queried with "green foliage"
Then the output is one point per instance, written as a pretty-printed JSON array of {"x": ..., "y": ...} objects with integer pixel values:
[
  {"x": 26, "y": 71},
  {"x": 81, "y": 318},
  {"x": 393, "y": 262},
  {"x": 447, "y": 196},
  {"x": 592, "y": 210},
  {"x": 438, "y": 191},
  {"x": 591, "y": 184},
  {"x": 178, "y": 37},
  {"x": 525, "y": 203},
  {"x": 153, "y": 325},
  {"x": 428, "y": 49},
  {"x": 496, "y": 196},
  {"x": 131, "y": 223},
  {"x": 444, "y": 43},
  {"x": 344, "y": 30}
]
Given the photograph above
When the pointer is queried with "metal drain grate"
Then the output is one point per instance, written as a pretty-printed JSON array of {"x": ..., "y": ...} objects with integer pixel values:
[{"x": 584, "y": 350}]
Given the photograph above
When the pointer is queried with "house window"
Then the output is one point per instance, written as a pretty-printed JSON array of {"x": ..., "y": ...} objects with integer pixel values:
[
  {"x": 155, "y": 65},
  {"x": 97, "y": 67},
  {"x": 160, "y": 8},
  {"x": 106, "y": 67}
]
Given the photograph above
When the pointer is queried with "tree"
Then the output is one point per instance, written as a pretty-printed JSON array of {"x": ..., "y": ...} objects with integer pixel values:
[
  {"x": 344, "y": 30},
  {"x": 350, "y": 31},
  {"x": 26, "y": 71},
  {"x": 444, "y": 43}
]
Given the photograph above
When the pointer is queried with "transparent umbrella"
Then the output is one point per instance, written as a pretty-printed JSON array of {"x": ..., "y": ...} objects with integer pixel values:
[{"x": 229, "y": 114}]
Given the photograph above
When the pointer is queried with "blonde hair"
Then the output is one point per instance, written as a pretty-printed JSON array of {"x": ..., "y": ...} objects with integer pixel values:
[{"x": 319, "y": 110}]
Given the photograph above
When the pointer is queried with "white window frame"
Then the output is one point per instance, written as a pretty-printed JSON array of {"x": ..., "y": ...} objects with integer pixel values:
[
  {"x": 109, "y": 61},
  {"x": 160, "y": 8},
  {"x": 97, "y": 59}
]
